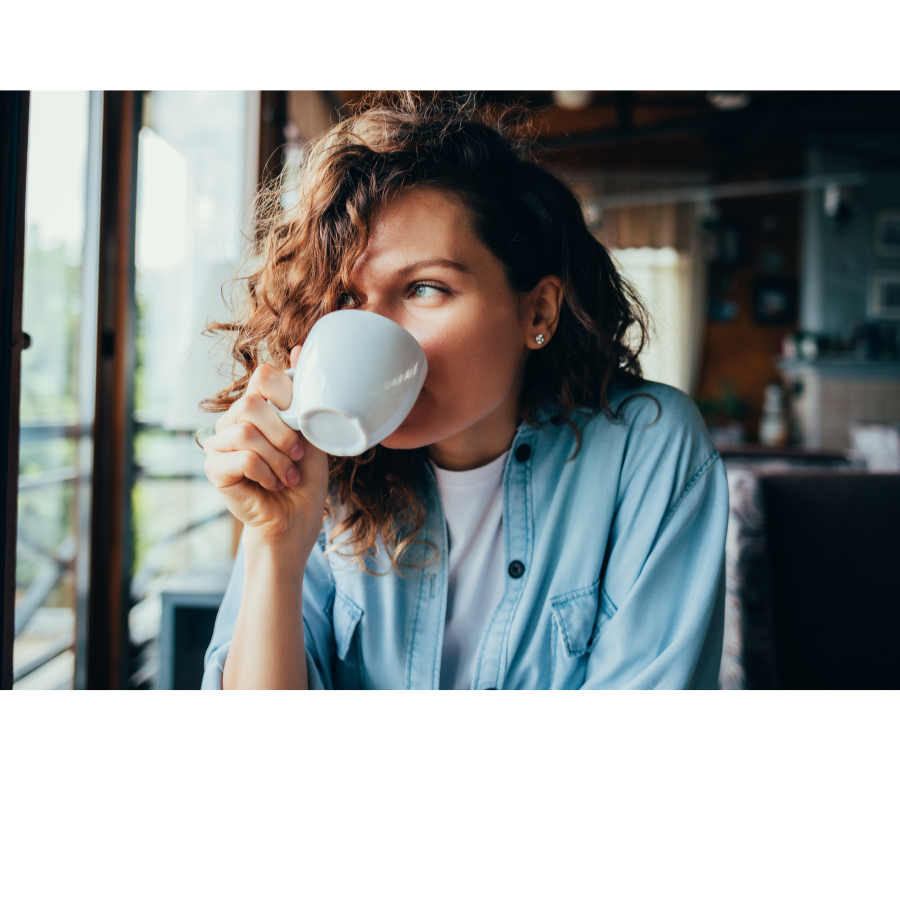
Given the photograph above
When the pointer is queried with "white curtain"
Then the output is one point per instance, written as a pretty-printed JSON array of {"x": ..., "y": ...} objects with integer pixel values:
[
  {"x": 658, "y": 248},
  {"x": 671, "y": 284}
]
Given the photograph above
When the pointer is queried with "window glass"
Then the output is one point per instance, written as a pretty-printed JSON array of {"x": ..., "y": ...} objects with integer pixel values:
[
  {"x": 53, "y": 314},
  {"x": 191, "y": 194}
]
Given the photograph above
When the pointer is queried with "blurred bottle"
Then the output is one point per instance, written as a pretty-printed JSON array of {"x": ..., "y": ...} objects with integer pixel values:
[
  {"x": 772, "y": 428},
  {"x": 809, "y": 347}
]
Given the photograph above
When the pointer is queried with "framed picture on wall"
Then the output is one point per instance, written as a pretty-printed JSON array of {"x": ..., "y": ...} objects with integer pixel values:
[
  {"x": 884, "y": 296},
  {"x": 887, "y": 233},
  {"x": 774, "y": 301}
]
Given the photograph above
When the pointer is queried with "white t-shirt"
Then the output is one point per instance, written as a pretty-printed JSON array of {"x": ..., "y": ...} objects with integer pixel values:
[{"x": 473, "y": 504}]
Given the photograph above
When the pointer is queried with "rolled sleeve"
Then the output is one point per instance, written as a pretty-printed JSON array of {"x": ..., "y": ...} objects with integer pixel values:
[{"x": 318, "y": 599}]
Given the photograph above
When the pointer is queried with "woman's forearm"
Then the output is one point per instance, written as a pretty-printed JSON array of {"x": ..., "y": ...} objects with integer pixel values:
[{"x": 267, "y": 650}]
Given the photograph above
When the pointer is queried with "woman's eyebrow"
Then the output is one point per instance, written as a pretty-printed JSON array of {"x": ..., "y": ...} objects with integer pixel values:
[{"x": 434, "y": 261}]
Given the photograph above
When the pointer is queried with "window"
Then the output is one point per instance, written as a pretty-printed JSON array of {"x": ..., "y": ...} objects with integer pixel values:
[
  {"x": 662, "y": 277},
  {"x": 59, "y": 315},
  {"x": 194, "y": 184}
]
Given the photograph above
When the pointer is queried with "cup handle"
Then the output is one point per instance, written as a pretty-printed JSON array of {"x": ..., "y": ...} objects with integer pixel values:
[{"x": 289, "y": 416}]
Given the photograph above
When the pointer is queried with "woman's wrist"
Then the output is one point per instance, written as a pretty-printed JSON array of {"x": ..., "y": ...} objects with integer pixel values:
[
  {"x": 285, "y": 553},
  {"x": 267, "y": 646}
]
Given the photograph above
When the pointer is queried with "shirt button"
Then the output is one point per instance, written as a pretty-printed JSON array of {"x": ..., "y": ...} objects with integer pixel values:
[
  {"x": 523, "y": 451},
  {"x": 516, "y": 569}
]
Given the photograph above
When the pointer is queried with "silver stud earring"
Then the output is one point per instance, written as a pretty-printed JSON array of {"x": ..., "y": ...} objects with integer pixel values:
[{"x": 539, "y": 339}]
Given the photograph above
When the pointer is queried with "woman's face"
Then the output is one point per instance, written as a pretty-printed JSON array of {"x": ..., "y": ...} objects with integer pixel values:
[{"x": 425, "y": 269}]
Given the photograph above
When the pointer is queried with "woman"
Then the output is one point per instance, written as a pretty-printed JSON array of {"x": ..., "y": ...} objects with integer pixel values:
[{"x": 543, "y": 518}]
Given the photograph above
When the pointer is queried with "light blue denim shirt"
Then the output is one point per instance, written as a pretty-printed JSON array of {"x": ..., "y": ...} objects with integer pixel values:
[{"x": 615, "y": 560}]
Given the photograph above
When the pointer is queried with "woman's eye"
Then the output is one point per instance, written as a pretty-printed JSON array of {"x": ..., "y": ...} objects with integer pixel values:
[
  {"x": 343, "y": 299},
  {"x": 426, "y": 290}
]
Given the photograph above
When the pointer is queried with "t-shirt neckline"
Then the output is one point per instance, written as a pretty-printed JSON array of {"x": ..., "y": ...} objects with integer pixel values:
[{"x": 488, "y": 472}]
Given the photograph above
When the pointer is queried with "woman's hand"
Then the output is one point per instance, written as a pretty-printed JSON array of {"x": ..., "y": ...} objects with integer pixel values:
[{"x": 272, "y": 479}]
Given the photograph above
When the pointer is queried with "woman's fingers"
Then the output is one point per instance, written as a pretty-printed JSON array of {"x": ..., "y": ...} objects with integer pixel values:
[
  {"x": 254, "y": 409},
  {"x": 246, "y": 436},
  {"x": 225, "y": 470},
  {"x": 266, "y": 383},
  {"x": 272, "y": 384}
]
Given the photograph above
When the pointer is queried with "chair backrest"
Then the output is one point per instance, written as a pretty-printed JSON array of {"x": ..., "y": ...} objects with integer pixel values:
[{"x": 833, "y": 552}]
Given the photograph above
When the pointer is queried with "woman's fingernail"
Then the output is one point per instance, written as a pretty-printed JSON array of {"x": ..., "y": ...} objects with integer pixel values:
[
  {"x": 278, "y": 485},
  {"x": 292, "y": 476},
  {"x": 296, "y": 451}
]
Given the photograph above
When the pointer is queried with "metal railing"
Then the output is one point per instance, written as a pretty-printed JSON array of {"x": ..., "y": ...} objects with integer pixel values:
[{"x": 55, "y": 564}]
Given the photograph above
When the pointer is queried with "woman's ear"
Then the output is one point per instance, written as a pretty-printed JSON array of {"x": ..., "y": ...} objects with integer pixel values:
[{"x": 545, "y": 302}]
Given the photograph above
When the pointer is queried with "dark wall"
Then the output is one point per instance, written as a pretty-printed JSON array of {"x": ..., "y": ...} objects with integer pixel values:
[
  {"x": 838, "y": 253},
  {"x": 743, "y": 350}
]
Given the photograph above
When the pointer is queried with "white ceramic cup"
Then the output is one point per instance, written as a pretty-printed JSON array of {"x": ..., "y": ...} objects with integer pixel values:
[{"x": 356, "y": 379}]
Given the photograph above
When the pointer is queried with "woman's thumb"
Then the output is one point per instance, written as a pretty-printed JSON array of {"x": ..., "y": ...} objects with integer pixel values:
[{"x": 295, "y": 353}]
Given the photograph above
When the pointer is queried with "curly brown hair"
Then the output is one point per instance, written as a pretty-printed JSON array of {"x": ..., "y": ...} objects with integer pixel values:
[{"x": 524, "y": 214}]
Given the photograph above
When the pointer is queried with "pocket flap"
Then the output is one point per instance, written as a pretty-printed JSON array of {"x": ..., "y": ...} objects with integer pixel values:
[
  {"x": 576, "y": 616},
  {"x": 346, "y": 617}
]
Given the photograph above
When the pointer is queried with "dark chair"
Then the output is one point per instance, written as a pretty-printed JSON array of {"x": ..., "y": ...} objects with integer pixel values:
[
  {"x": 833, "y": 552},
  {"x": 190, "y": 603}
]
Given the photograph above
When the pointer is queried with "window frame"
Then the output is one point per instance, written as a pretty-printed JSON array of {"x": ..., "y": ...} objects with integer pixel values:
[
  {"x": 106, "y": 465},
  {"x": 14, "y": 112}
]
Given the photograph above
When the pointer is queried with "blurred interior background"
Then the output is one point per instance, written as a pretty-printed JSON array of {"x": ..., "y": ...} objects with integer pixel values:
[{"x": 762, "y": 230}]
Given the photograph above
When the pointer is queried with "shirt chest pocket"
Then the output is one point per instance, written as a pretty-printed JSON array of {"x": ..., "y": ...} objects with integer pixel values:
[
  {"x": 346, "y": 614},
  {"x": 577, "y": 617}
]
